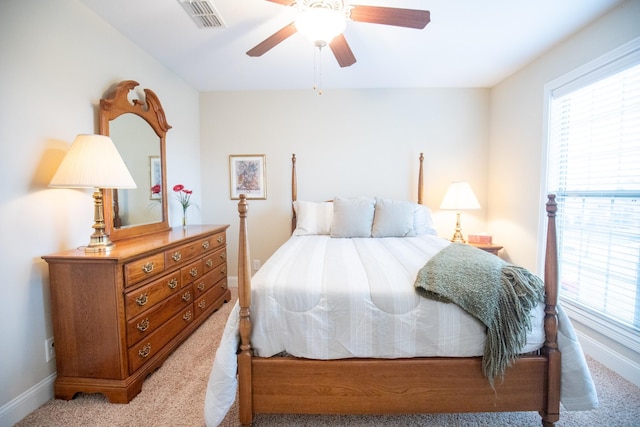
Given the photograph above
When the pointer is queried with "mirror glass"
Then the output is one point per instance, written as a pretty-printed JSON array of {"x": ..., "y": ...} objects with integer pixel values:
[
  {"x": 139, "y": 147},
  {"x": 137, "y": 125}
]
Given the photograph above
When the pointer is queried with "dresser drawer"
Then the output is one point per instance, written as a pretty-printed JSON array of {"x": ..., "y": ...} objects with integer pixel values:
[
  {"x": 149, "y": 295},
  {"x": 137, "y": 271},
  {"x": 145, "y": 349},
  {"x": 217, "y": 240},
  {"x": 207, "y": 281},
  {"x": 214, "y": 259},
  {"x": 184, "y": 253},
  {"x": 206, "y": 303},
  {"x": 178, "y": 256},
  {"x": 143, "y": 325},
  {"x": 191, "y": 272}
]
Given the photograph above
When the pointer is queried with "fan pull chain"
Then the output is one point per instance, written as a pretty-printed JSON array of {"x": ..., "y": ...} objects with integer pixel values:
[{"x": 317, "y": 70}]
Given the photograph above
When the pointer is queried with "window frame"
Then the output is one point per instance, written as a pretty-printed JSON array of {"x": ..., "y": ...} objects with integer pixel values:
[{"x": 607, "y": 64}]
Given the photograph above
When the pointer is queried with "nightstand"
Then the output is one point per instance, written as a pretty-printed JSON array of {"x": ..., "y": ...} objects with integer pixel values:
[{"x": 489, "y": 247}]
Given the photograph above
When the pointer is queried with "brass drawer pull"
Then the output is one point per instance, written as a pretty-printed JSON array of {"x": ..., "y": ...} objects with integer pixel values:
[
  {"x": 205, "y": 245},
  {"x": 220, "y": 239},
  {"x": 209, "y": 262},
  {"x": 224, "y": 270},
  {"x": 177, "y": 256},
  {"x": 187, "y": 316},
  {"x": 148, "y": 267},
  {"x": 224, "y": 286},
  {"x": 186, "y": 296},
  {"x": 223, "y": 255},
  {"x": 173, "y": 283},
  {"x": 145, "y": 351},
  {"x": 201, "y": 286},
  {"x": 143, "y": 325},
  {"x": 142, "y": 299},
  {"x": 193, "y": 272},
  {"x": 202, "y": 304}
]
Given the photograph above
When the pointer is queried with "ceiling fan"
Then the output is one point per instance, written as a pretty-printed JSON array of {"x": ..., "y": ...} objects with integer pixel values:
[{"x": 317, "y": 16}]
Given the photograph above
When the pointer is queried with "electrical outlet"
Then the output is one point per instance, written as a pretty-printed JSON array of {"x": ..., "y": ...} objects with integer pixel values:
[
  {"x": 49, "y": 349},
  {"x": 256, "y": 264}
]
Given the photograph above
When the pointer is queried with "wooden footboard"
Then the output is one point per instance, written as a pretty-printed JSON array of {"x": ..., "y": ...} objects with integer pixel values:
[
  {"x": 398, "y": 386},
  {"x": 387, "y": 386}
]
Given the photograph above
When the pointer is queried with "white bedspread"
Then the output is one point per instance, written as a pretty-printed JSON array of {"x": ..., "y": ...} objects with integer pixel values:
[{"x": 325, "y": 298}]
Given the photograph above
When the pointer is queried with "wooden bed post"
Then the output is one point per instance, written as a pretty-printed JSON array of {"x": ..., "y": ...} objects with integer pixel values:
[
  {"x": 550, "y": 348},
  {"x": 244, "y": 297},
  {"x": 420, "y": 180},
  {"x": 294, "y": 191}
]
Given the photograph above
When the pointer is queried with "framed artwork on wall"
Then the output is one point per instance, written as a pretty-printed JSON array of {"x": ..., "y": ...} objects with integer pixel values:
[
  {"x": 155, "y": 177},
  {"x": 248, "y": 173}
]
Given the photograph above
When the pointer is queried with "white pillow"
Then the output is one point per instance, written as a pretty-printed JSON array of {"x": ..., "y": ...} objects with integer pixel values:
[
  {"x": 313, "y": 217},
  {"x": 422, "y": 221},
  {"x": 352, "y": 217},
  {"x": 393, "y": 218}
]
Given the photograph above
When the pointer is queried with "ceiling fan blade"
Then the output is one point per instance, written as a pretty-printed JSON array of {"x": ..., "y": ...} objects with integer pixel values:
[
  {"x": 283, "y": 2},
  {"x": 410, "y": 18},
  {"x": 271, "y": 41},
  {"x": 342, "y": 51}
]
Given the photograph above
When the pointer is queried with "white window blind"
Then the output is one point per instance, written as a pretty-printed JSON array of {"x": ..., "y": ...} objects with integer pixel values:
[{"x": 594, "y": 170}]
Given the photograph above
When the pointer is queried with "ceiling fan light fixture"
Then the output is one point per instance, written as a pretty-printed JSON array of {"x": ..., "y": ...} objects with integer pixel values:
[{"x": 320, "y": 24}]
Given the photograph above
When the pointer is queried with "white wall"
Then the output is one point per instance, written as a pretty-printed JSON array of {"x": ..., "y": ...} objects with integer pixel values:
[
  {"x": 347, "y": 143},
  {"x": 516, "y": 165},
  {"x": 57, "y": 59}
]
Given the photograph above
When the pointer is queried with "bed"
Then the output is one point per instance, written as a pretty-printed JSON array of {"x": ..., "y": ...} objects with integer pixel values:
[{"x": 293, "y": 346}]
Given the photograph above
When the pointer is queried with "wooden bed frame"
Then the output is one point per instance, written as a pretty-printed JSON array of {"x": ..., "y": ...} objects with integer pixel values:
[{"x": 396, "y": 386}]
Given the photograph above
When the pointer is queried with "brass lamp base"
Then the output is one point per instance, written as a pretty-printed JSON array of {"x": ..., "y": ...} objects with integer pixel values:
[
  {"x": 99, "y": 241},
  {"x": 457, "y": 236},
  {"x": 99, "y": 244}
]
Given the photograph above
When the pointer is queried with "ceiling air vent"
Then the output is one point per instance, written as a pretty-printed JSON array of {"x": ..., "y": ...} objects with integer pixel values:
[{"x": 203, "y": 13}]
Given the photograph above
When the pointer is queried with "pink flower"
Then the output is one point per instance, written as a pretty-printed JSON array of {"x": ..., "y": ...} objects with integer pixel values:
[
  {"x": 156, "y": 189},
  {"x": 184, "y": 197}
]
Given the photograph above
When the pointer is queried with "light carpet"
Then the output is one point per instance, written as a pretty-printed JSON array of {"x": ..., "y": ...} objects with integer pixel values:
[{"x": 174, "y": 396}]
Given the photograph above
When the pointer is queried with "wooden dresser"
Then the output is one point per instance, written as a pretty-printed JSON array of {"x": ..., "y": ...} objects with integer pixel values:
[{"x": 117, "y": 316}]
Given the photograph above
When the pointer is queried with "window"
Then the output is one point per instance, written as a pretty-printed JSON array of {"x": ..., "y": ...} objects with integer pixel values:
[{"x": 593, "y": 167}]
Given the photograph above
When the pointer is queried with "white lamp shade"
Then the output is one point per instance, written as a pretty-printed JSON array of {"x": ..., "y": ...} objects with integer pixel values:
[
  {"x": 93, "y": 161},
  {"x": 320, "y": 25},
  {"x": 459, "y": 196}
]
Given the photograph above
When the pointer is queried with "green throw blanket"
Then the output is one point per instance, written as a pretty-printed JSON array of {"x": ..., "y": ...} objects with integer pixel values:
[{"x": 498, "y": 294}]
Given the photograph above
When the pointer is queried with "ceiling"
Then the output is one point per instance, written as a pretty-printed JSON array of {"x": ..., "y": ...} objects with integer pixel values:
[{"x": 468, "y": 43}]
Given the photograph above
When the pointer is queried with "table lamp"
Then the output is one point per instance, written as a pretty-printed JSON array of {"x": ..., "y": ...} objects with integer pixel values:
[
  {"x": 459, "y": 196},
  {"x": 94, "y": 162}
]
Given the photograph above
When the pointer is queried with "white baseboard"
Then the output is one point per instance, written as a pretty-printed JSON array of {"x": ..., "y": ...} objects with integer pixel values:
[
  {"x": 623, "y": 366},
  {"x": 27, "y": 402},
  {"x": 232, "y": 281}
]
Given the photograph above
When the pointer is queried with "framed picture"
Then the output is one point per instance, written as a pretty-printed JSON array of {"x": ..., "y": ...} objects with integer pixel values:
[
  {"x": 155, "y": 178},
  {"x": 247, "y": 173}
]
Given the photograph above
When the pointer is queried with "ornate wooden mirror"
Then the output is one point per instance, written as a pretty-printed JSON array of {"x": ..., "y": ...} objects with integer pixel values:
[{"x": 138, "y": 128}]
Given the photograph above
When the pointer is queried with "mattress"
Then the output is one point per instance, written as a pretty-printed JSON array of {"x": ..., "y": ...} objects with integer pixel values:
[{"x": 325, "y": 298}]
